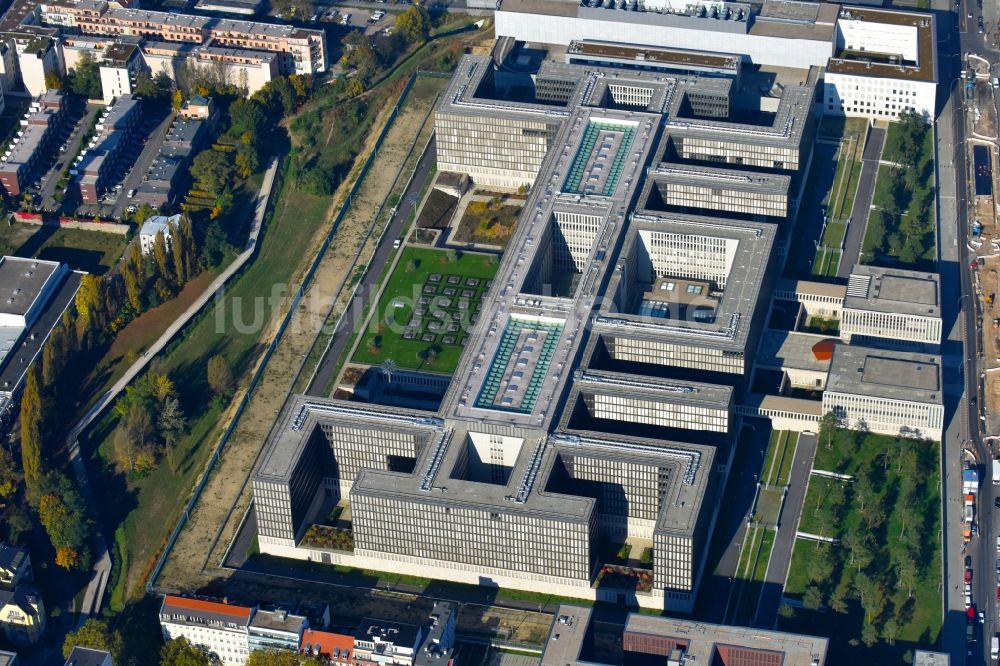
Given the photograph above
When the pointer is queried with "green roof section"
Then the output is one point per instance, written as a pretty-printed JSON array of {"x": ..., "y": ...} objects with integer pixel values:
[
  {"x": 519, "y": 365},
  {"x": 600, "y": 158}
]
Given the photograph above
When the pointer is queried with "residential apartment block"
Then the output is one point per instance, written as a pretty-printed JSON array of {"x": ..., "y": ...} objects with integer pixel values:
[
  {"x": 167, "y": 173},
  {"x": 275, "y": 630},
  {"x": 31, "y": 150},
  {"x": 219, "y": 628},
  {"x": 299, "y": 50},
  {"x": 22, "y": 615},
  {"x": 15, "y": 567},
  {"x": 103, "y": 161}
]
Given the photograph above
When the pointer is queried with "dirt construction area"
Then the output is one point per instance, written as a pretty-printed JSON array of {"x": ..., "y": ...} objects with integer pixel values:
[{"x": 199, "y": 548}]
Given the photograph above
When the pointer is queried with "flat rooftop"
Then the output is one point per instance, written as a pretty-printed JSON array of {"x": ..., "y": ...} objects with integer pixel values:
[
  {"x": 721, "y": 178},
  {"x": 278, "y": 621},
  {"x": 655, "y": 54},
  {"x": 867, "y": 62},
  {"x": 706, "y": 640},
  {"x": 894, "y": 290},
  {"x": 893, "y": 375},
  {"x": 565, "y": 641},
  {"x": 784, "y": 350},
  {"x": 21, "y": 282}
]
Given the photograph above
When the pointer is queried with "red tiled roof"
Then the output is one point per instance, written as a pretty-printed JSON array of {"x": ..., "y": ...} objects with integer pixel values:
[
  {"x": 200, "y": 606},
  {"x": 327, "y": 642}
]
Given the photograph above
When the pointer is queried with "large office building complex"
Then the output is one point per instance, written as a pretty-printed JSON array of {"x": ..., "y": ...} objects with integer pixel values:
[{"x": 593, "y": 400}]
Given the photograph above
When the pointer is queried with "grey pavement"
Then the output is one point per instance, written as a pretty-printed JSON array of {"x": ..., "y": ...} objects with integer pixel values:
[
  {"x": 784, "y": 540},
  {"x": 353, "y": 316},
  {"x": 99, "y": 577},
  {"x": 862, "y": 201},
  {"x": 138, "y": 171},
  {"x": 73, "y": 144}
]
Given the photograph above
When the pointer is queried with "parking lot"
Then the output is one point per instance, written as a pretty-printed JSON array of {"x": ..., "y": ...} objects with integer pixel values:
[{"x": 139, "y": 153}]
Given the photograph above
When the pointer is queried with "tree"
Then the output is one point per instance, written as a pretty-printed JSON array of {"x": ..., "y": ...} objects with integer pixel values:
[
  {"x": 133, "y": 284},
  {"x": 837, "y": 602},
  {"x": 86, "y": 79},
  {"x": 89, "y": 298},
  {"x": 63, "y": 514},
  {"x": 829, "y": 424},
  {"x": 246, "y": 117},
  {"x": 414, "y": 23},
  {"x": 279, "y": 658},
  {"x": 177, "y": 100},
  {"x": 179, "y": 652},
  {"x": 906, "y": 573},
  {"x": 153, "y": 88},
  {"x": 220, "y": 376},
  {"x": 317, "y": 181},
  {"x": 786, "y": 611},
  {"x": 31, "y": 427},
  {"x": 891, "y": 630},
  {"x": 812, "y": 598},
  {"x": 8, "y": 474},
  {"x": 354, "y": 87},
  {"x": 247, "y": 159},
  {"x": 213, "y": 170},
  {"x": 95, "y": 634},
  {"x": 67, "y": 558},
  {"x": 160, "y": 257},
  {"x": 52, "y": 80},
  {"x": 869, "y": 635}
]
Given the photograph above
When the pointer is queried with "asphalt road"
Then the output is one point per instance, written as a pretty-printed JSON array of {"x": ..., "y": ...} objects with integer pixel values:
[
  {"x": 352, "y": 318},
  {"x": 149, "y": 151},
  {"x": 862, "y": 202}
]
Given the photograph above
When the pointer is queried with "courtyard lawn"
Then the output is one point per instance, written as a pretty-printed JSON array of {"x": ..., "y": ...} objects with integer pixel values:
[
  {"x": 778, "y": 461},
  {"x": 425, "y": 313},
  {"x": 821, "y": 508},
  {"x": 888, "y": 525},
  {"x": 752, "y": 569},
  {"x": 833, "y": 237},
  {"x": 827, "y": 262}
]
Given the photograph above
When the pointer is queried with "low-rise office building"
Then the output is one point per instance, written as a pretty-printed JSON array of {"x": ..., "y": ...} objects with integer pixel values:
[
  {"x": 100, "y": 166},
  {"x": 34, "y": 294},
  {"x": 219, "y": 628},
  {"x": 31, "y": 149},
  {"x": 888, "y": 392},
  {"x": 675, "y": 642},
  {"x": 892, "y": 304},
  {"x": 884, "y": 62}
]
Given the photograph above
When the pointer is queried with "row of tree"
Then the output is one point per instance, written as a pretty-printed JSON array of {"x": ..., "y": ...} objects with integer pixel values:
[
  {"x": 903, "y": 227},
  {"x": 877, "y": 569}
]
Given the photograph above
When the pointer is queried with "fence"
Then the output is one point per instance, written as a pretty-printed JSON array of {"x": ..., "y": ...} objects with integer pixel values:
[{"x": 262, "y": 366}]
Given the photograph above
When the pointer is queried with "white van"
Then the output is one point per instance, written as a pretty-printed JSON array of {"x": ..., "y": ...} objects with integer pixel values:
[
  {"x": 996, "y": 82},
  {"x": 995, "y": 648}
]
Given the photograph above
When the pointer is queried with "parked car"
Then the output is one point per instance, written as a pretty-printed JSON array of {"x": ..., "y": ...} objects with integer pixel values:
[
  {"x": 131, "y": 193},
  {"x": 397, "y": 243},
  {"x": 968, "y": 576}
]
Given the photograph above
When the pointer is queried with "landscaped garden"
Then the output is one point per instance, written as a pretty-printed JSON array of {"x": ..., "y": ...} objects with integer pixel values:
[
  {"x": 901, "y": 228},
  {"x": 324, "y": 536},
  {"x": 876, "y": 591},
  {"x": 624, "y": 578},
  {"x": 427, "y": 310},
  {"x": 488, "y": 222},
  {"x": 437, "y": 210}
]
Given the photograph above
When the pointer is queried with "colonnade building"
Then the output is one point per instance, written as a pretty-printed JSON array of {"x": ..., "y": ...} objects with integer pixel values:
[{"x": 593, "y": 401}]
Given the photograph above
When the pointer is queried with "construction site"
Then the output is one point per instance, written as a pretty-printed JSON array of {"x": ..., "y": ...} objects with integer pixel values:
[{"x": 983, "y": 239}]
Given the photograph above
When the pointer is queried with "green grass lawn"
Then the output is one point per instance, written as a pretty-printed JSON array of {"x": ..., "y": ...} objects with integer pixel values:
[
  {"x": 827, "y": 262},
  {"x": 85, "y": 250},
  {"x": 778, "y": 461},
  {"x": 817, "y": 516},
  {"x": 834, "y": 234},
  {"x": 752, "y": 571},
  {"x": 416, "y": 294},
  {"x": 845, "y": 183},
  {"x": 147, "y": 508},
  {"x": 769, "y": 506},
  {"x": 907, "y": 526}
]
